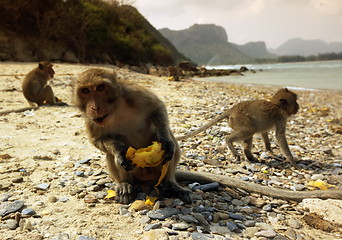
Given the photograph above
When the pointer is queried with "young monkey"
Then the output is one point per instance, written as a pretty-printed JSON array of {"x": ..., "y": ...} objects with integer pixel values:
[
  {"x": 35, "y": 87},
  {"x": 119, "y": 114},
  {"x": 257, "y": 116}
]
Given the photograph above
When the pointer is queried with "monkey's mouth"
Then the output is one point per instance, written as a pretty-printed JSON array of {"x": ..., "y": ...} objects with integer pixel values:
[{"x": 100, "y": 120}]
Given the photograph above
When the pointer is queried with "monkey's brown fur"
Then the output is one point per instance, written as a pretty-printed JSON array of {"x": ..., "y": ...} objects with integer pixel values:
[
  {"x": 258, "y": 116},
  {"x": 35, "y": 87},
  {"x": 120, "y": 114}
]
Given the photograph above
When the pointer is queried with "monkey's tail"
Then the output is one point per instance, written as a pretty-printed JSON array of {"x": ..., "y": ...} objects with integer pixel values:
[
  {"x": 204, "y": 127},
  {"x": 257, "y": 188},
  {"x": 18, "y": 110}
]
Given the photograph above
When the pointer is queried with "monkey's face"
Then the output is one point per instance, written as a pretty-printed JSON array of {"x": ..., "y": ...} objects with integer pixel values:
[
  {"x": 47, "y": 68},
  {"x": 286, "y": 100},
  {"x": 97, "y": 101}
]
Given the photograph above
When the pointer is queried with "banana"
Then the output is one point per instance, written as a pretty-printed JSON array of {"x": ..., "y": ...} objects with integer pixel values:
[{"x": 150, "y": 156}]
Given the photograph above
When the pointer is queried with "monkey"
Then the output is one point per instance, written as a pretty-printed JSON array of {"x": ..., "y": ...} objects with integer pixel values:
[
  {"x": 35, "y": 87},
  {"x": 119, "y": 114},
  {"x": 257, "y": 116}
]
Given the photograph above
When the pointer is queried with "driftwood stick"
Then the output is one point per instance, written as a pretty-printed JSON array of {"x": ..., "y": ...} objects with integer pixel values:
[{"x": 257, "y": 188}]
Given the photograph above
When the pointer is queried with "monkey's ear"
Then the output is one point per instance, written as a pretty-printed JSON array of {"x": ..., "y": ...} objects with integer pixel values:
[
  {"x": 283, "y": 102},
  {"x": 40, "y": 66}
]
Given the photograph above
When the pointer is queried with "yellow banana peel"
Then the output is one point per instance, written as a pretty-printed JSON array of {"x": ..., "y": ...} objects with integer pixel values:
[{"x": 150, "y": 156}]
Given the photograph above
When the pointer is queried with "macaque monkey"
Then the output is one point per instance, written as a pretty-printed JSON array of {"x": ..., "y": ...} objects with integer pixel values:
[
  {"x": 257, "y": 116},
  {"x": 35, "y": 87},
  {"x": 119, "y": 114}
]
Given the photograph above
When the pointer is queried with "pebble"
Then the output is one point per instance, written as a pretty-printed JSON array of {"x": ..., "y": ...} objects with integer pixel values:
[
  {"x": 163, "y": 213},
  {"x": 82, "y": 237},
  {"x": 28, "y": 211},
  {"x": 10, "y": 207},
  {"x": 266, "y": 234},
  {"x": 10, "y": 224},
  {"x": 180, "y": 226},
  {"x": 152, "y": 226},
  {"x": 232, "y": 226},
  {"x": 43, "y": 186}
]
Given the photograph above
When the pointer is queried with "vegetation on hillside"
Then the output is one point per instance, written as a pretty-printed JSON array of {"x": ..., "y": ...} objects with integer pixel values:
[{"x": 89, "y": 28}]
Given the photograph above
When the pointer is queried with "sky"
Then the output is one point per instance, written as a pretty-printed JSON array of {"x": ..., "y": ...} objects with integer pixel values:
[{"x": 271, "y": 21}]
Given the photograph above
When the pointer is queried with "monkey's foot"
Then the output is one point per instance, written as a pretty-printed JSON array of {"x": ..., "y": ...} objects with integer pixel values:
[
  {"x": 124, "y": 193},
  {"x": 173, "y": 190}
]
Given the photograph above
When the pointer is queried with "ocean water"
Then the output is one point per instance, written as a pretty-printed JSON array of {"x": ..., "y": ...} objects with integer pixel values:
[{"x": 305, "y": 75}]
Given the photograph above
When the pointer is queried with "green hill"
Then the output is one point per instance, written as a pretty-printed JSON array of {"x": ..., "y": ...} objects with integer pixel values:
[{"x": 92, "y": 31}]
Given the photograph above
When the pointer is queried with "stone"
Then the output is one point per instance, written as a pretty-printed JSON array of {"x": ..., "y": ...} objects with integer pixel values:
[
  {"x": 28, "y": 211},
  {"x": 330, "y": 209},
  {"x": 43, "y": 186},
  {"x": 152, "y": 226},
  {"x": 163, "y": 213},
  {"x": 266, "y": 234},
  {"x": 139, "y": 205},
  {"x": 159, "y": 234},
  {"x": 10, "y": 207}
]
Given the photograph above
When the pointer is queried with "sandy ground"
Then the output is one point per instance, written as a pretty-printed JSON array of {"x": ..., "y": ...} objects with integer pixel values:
[{"x": 48, "y": 142}]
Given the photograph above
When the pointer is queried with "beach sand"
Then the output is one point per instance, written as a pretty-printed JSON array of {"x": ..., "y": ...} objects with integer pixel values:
[{"x": 48, "y": 143}]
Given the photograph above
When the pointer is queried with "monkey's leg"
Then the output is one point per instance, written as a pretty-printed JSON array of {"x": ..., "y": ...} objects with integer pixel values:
[
  {"x": 124, "y": 189},
  {"x": 235, "y": 137},
  {"x": 247, "y": 147},
  {"x": 266, "y": 141},
  {"x": 47, "y": 95},
  {"x": 174, "y": 190},
  {"x": 281, "y": 139}
]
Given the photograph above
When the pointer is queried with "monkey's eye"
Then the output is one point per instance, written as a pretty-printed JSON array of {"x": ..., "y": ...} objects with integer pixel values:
[
  {"x": 100, "y": 87},
  {"x": 85, "y": 90}
]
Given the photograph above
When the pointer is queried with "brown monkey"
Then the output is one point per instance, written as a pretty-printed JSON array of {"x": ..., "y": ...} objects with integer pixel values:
[
  {"x": 35, "y": 87},
  {"x": 258, "y": 116},
  {"x": 120, "y": 114}
]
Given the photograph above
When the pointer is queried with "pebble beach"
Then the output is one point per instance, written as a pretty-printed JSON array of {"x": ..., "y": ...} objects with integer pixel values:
[{"x": 53, "y": 181}]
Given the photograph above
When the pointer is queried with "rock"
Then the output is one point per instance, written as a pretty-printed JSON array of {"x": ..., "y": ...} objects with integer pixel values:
[
  {"x": 236, "y": 216},
  {"x": 293, "y": 223},
  {"x": 180, "y": 226},
  {"x": 89, "y": 198},
  {"x": 10, "y": 224},
  {"x": 188, "y": 218},
  {"x": 139, "y": 205},
  {"x": 163, "y": 213},
  {"x": 266, "y": 234},
  {"x": 232, "y": 226},
  {"x": 43, "y": 186},
  {"x": 159, "y": 234},
  {"x": 152, "y": 226},
  {"x": 10, "y": 207},
  {"x": 331, "y": 209},
  {"x": 82, "y": 237},
  {"x": 250, "y": 231},
  {"x": 257, "y": 201},
  {"x": 52, "y": 199},
  {"x": 28, "y": 211}
]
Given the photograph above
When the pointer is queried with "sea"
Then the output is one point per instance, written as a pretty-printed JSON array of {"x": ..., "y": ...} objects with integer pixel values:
[{"x": 299, "y": 75}]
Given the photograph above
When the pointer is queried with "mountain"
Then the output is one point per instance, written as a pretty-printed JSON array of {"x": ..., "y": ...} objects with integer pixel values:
[
  {"x": 207, "y": 44},
  {"x": 298, "y": 46}
]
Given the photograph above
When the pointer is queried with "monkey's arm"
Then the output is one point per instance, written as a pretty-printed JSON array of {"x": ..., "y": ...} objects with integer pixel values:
[
  {"x": 257, "y": 188},
  {"x": 113, "y": 145},
  {"x": 164, "y": 135}
]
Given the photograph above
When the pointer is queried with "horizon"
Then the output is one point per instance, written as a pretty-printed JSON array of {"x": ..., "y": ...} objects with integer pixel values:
[{"x": 271, "y": 21}]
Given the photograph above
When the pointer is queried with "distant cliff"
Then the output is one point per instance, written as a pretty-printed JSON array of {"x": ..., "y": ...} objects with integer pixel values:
[
  {"x": 297, "y": 46},
  {"x": 207, "y": 44}
]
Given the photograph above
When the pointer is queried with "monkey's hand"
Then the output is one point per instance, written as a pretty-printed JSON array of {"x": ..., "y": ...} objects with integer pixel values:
[
  {"x": 126, "y": 164},
  {"x": 169, "y": 147}
]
